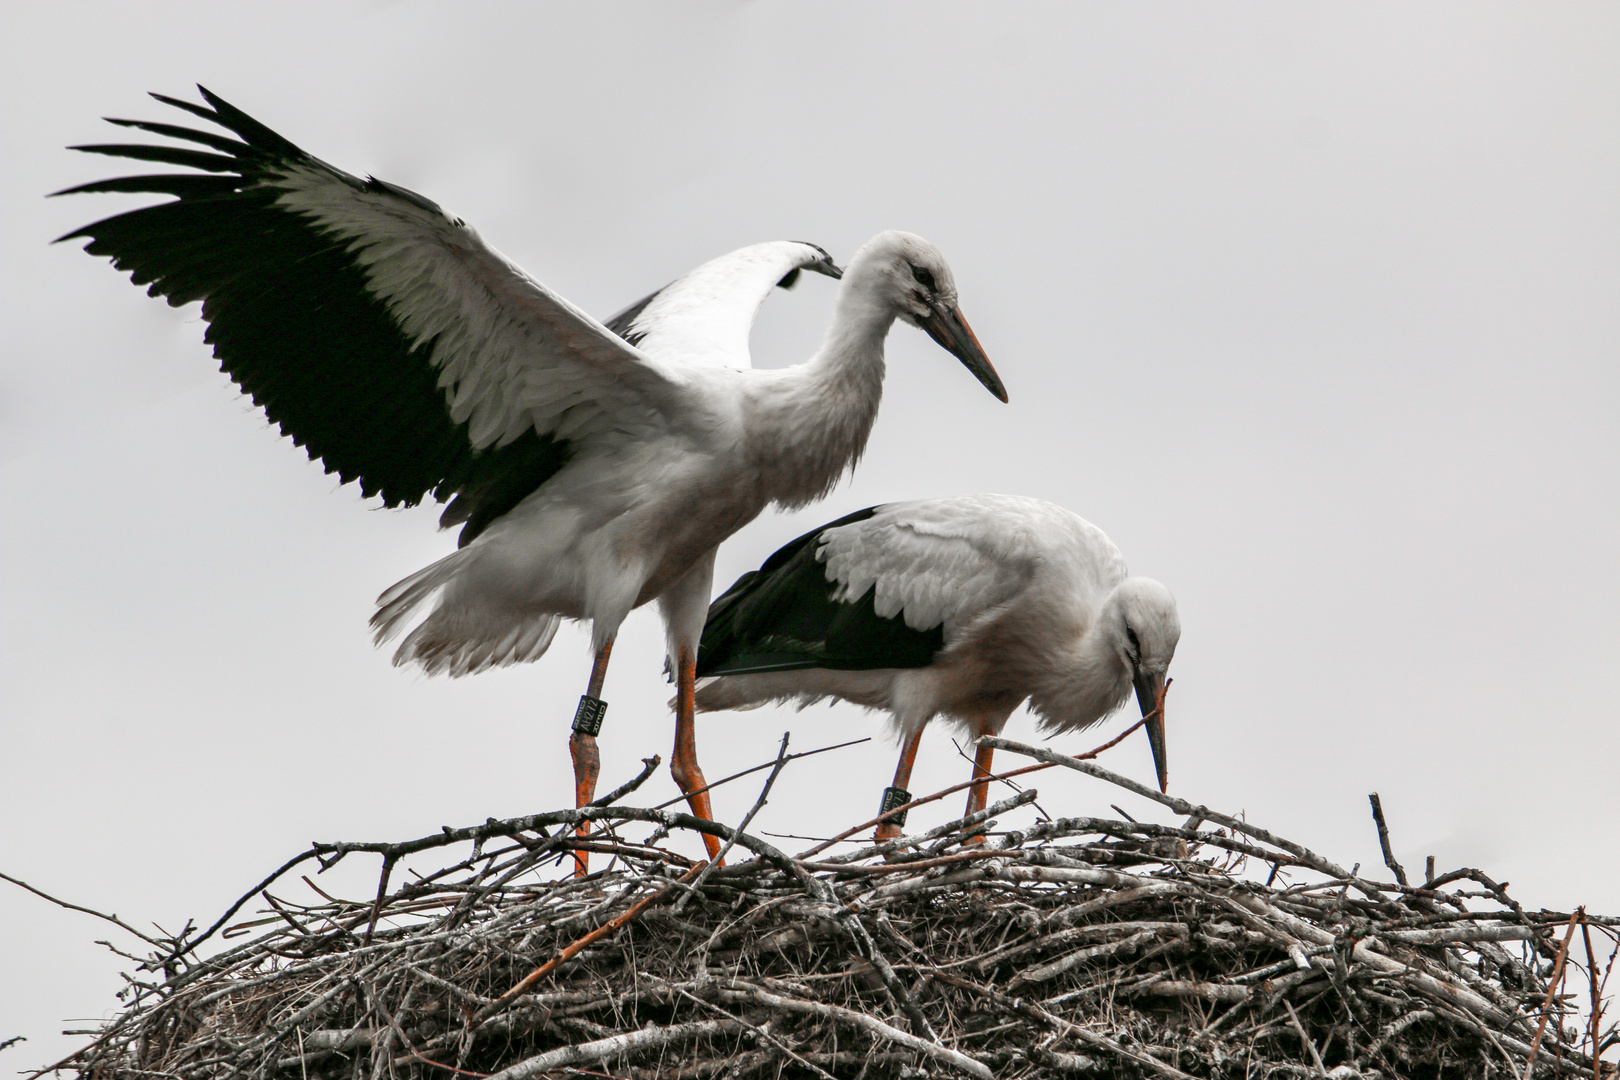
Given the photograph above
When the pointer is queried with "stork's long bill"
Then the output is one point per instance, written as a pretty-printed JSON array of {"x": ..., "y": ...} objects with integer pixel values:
[
  {"x": 1150, "y": 695},
  {"x": 947, "y": 327}
]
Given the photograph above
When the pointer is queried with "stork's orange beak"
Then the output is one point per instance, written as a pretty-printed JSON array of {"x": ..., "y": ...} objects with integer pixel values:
[{"x": 947, "y": 327}]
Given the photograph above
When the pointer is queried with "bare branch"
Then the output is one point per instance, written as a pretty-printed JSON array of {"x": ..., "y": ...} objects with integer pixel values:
[
  {"x": 114, "y": 919},
  {"x": 1383, "y": 838}
]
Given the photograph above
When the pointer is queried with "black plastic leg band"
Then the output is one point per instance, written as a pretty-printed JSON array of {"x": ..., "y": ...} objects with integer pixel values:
[
  {"x": 588, "y": 717},
  {"x": 893, "y": 797}
]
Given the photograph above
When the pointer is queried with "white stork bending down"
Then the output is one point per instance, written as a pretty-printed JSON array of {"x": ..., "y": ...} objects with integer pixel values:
[
  {"x": 592, "y": 468},
  {"x": 962, "y": 607}
]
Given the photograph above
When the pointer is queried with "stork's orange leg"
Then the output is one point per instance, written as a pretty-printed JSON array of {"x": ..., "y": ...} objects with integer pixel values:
[
  {"x": 582, "y": 747},
  {"x": 979, "y": 793},
  {"x": 683, "y": 763},
  {"x": 896, "y": 794}
]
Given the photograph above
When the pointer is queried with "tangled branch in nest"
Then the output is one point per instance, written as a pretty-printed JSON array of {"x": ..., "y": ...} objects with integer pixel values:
[{"x": 1077, "y": 946}]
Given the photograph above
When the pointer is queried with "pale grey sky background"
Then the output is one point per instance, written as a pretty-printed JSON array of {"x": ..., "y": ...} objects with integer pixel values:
[{"x": 1313, "y": 308}]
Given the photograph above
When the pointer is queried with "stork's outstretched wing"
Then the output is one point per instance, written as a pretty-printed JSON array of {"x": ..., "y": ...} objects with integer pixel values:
[
  {"x": 703, "y": 317},
  {"x": 378, "y": 331}
]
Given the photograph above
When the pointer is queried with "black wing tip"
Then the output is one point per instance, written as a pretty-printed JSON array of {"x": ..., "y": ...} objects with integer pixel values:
[
  {"x": 175, "y": 131},
  {"x": 252, "y": 131},
  {"x": 824, "y": 253},
  {"x": 219, "y": 156},
  {"x": 220, "y": 106},
  {"x": 189, "y": 106},
  {"x": 824, "y": 265},
  {"x": 230, "y": 117},
  {"x": 181, "y": 102}
]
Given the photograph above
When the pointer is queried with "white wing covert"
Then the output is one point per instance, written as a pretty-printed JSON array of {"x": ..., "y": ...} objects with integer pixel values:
[{"x": 946, "y": 561}]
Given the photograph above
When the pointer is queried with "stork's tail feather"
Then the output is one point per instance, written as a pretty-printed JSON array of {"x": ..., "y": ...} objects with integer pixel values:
[
  {"x": 442, "y": 647},
  {"x": 403, "y": 597},
  {"x": 714, "y": 694},
  {"x": 800, "y": 689},
  {"x": 448, "y": 642}
]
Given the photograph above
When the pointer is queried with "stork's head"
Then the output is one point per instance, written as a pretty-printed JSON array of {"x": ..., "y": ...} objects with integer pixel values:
[
  {"x": 1146, "y": 639},
  {"x": 908, "y": 275}
]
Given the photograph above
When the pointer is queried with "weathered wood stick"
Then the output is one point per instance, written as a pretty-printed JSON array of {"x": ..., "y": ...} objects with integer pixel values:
[
  {"x": 616, "y": 1046},
  {"x": 1383, "y": 839},
  {"x": 871, "y": 1024}
]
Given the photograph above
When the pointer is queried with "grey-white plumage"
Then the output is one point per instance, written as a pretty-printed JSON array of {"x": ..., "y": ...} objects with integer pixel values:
[{"x": 1029, "y": 601}]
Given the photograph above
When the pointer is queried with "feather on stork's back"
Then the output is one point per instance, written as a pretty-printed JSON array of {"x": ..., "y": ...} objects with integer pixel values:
[{"x": 591, "y": 471}]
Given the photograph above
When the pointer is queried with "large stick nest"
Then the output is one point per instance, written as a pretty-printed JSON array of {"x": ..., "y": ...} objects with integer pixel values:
[{"x": 1079, "y": 945}]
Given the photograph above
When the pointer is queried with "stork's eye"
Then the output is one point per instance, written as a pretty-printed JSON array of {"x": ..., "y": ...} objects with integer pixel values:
[
  {"x": 925, "y": 278},
  {"x": 1136, "y": 646}
]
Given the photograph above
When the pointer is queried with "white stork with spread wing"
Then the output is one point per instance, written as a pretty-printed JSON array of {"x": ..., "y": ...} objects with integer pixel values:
[
  {"x": 964, "y": 608},
  {"x": 592, "y": 467}
]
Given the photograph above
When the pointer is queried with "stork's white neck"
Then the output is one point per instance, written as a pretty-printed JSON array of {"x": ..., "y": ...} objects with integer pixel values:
[
  {"x": 810, "y": 422},
  {"x": 862, "y": 317},
  {"x": 1088, "y": 678}
]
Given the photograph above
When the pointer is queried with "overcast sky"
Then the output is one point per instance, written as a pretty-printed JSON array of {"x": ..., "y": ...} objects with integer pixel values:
[{"x": 1315, "y": 309}]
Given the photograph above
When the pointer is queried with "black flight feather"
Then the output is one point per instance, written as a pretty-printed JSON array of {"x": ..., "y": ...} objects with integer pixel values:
[
  {"x": 782, "y": 617},
  {"x": 230, "y": 146},
  {"x": 178, "y": 184},
  {"x": 293, "y": 323},
  {"x": 167, "y": 155}
]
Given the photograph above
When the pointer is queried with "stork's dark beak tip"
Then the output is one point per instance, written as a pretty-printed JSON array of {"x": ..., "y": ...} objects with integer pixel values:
[
  {"x": 1161, "y": 764},
  {"x": 1150, "y": 695}
]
